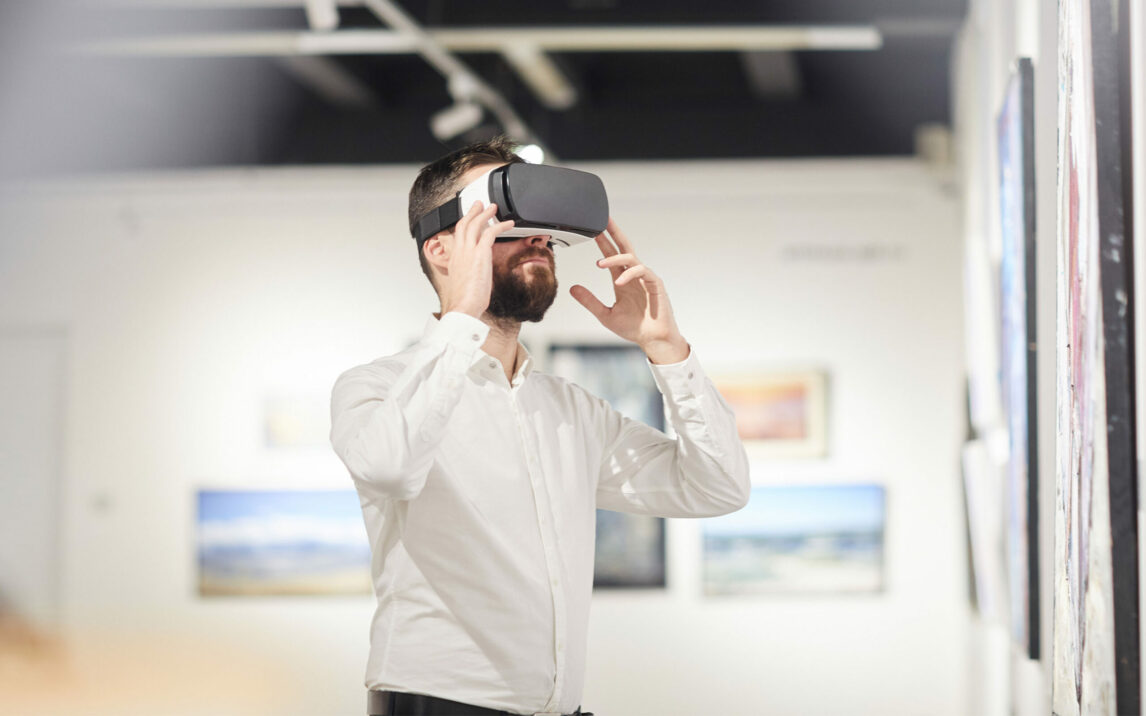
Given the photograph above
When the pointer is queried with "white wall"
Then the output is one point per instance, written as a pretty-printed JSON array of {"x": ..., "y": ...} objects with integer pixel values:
[{"x": 190, "y": 297}]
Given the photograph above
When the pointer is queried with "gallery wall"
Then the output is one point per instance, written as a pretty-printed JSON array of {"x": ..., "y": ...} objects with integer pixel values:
[
  {"x": 187, "y": 300},
  {"x": 995, "y": 34}
]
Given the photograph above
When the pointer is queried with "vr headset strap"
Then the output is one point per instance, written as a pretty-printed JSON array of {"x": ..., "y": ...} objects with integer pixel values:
[{"x": 437, "y": 220}]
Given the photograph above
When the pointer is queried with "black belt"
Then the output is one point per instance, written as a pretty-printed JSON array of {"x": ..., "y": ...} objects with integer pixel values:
[{"x": 396, "y": 703}]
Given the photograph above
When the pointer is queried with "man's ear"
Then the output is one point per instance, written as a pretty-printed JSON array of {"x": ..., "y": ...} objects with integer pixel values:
[{"x": 434, "y": 249}]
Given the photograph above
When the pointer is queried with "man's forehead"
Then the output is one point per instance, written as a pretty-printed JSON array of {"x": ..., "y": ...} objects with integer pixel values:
[{"x": 475, "y": 172}]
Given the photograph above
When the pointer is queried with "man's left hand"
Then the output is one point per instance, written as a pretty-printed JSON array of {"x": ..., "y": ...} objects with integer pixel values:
[{"x": 641, "y": 312}]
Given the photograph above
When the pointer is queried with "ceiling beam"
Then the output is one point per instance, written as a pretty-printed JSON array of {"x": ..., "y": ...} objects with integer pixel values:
[
  {"x": 541, "y": 75},
  {"x": 464, "y": 84},
  {"x": 328, "y": 80},
  {"x": 493, "y": 39}
]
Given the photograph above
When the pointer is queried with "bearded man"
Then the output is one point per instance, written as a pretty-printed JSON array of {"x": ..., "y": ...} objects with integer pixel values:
[{"x": 480, "y": 477}]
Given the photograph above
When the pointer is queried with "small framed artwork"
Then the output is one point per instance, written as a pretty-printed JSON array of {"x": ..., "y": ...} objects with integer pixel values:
[
  {"x": 630, "y": 548},
  {"x": 281, "y": 542},
  {"x": 779, "y": 415},
  {"x": 825, "y": 539}
]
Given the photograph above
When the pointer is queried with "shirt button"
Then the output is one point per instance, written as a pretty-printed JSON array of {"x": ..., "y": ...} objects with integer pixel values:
[
  {"x": 492, "y": 365},
  {"x": 476, "y": 337},
  {"x": 690, "y": 375}
]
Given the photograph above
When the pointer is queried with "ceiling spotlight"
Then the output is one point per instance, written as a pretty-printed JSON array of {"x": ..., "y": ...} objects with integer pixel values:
[
  {"x": 531, "y": 153},
  {"x": 322, "y": 15},
  {"x": 456, "y": 119}
]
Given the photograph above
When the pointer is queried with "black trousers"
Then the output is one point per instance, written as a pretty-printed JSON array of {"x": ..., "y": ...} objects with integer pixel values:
[{"x": 394, "y": 703}]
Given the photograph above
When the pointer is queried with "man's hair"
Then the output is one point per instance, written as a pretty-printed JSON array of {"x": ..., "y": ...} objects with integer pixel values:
[{"x": 438, "y": 180}]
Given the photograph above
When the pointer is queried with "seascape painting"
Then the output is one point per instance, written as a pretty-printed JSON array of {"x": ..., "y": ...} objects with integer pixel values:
[
  {"x": 798, "y": 540},
  {"x": 281, "y": 542}
]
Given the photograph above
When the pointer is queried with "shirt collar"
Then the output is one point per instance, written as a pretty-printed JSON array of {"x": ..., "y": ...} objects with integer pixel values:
[{"x": 481, "y": 359}]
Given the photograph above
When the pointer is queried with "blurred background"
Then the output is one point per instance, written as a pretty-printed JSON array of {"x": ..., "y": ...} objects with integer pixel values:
[{"x": 203, "y": 223}]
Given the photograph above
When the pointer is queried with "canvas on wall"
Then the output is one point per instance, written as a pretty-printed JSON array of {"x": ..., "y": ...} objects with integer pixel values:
[
  {"x": 779, "y": 414},
  {"x": 630, "y": 551},
  {"x": 984, "y": 528},
  {"x": 1017, "y": 303},
  {"x": 798, "y": 539},
  {"x": 1096, "y": 633},
  {"x": 281, "y": 542}
]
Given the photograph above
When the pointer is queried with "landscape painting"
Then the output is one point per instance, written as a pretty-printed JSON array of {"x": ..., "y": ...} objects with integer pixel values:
[
  {"x": 281, "y": 542},
  {"x": 798, "y": 540}
]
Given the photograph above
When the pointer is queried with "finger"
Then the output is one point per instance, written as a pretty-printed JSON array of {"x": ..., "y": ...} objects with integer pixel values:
[
  {"x": 464, "y": 222},
  {"x": 621, "y": 240},
  {"x": 475, "y": 222},
  {"x": 610, "y": 252},
  {"x": 639, "y": 271},
  {"x": 622, "y": 260},
  {"x": 586, "y": 298},
  {"x": 490, "y": 233},
  {"x": 606, "y": 245}
]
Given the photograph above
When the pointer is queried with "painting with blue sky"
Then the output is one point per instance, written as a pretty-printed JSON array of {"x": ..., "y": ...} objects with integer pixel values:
[
  {"x": 798, "y": 539},
  {"x": 272, "y": 542}
]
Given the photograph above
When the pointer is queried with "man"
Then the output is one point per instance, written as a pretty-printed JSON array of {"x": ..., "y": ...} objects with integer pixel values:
[{"x": 480, "y": 478}]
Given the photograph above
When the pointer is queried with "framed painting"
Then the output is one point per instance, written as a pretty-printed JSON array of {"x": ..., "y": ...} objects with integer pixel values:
[
  {"x": 1016, "y": 145},
  {"x": 630, "y": 551},
  {"x": 798, "y": 540},
  {"x": 1096, "y": 667},
  {"x": 281, "y": 542},
  {"x": 779, "y": 414}
]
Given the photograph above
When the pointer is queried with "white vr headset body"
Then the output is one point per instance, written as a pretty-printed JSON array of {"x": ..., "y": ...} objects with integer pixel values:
[{"x": 567, "y": 205}]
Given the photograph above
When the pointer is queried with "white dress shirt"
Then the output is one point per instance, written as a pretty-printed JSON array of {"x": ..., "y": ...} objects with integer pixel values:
[{"x": 480, "y": 499}]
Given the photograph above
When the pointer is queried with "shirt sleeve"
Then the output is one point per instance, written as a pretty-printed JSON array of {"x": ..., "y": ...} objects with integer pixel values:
[
  {"x": 387, "y": 418},
  {"x": 702, "y": 473}
]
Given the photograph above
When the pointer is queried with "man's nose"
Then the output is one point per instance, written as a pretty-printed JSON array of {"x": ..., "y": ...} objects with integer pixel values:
[{"x": 537, "y": 240}]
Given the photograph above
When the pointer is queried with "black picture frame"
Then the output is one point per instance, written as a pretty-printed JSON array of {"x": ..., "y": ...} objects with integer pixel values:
[{"x": 1110, "y": 47}]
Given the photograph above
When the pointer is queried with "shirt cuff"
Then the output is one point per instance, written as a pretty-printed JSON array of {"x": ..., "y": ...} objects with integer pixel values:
[
  {"x": 679, "y": 379},
  {"x": 464, "y": 332}
]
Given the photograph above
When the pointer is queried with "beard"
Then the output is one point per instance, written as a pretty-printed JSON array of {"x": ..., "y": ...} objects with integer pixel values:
[{"x": 515, "y": 299}]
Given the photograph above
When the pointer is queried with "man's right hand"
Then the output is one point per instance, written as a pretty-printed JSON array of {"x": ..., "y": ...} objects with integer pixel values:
[{"x": 468, "y": 280}]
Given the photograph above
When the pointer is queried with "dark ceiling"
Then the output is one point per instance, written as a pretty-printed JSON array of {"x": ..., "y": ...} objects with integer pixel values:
[{"x": 65, "y": 110}]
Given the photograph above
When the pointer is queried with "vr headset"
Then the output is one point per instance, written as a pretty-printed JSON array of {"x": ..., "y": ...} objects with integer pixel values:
[{"x": 566, "y": 205}]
